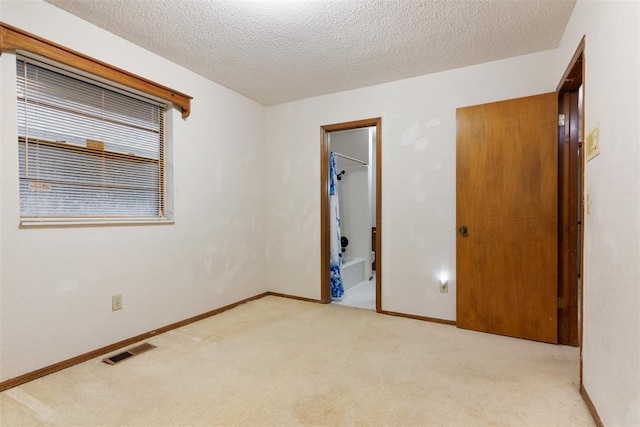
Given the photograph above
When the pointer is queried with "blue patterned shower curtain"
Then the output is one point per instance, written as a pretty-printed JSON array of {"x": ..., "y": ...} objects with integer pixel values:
[{"x": 335, "y": 259}]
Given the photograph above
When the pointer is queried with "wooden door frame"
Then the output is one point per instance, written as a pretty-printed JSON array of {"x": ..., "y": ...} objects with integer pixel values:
[
  {"x": 570, "y": 316},
  {"x": 568, "y": 207},
  {"x": 325, "y": 294}
]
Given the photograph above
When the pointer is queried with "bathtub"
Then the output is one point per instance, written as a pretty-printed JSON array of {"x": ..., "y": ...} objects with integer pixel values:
[{"x": 353, "y": 271}]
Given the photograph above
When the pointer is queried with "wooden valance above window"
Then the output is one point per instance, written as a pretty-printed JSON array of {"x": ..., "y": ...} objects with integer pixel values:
[{"x": 13, "y": 39}]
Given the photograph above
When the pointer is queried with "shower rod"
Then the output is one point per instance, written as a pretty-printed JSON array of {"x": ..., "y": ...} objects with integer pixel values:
[{"x": 350, "y": 158}]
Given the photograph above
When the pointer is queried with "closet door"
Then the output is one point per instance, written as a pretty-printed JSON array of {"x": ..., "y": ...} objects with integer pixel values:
[{"x": 507, "y": 217}]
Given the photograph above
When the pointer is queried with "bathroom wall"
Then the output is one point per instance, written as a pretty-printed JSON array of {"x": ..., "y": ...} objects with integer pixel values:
[
  {"x": 354, "y": 207},
  {"x": 56, "y": 283},
  {"x": 353, "y": 191},
  {"x": 372, "y": 175}
]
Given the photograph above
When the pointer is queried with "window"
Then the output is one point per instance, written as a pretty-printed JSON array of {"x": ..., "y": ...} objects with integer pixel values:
[{"x": 87, "y": 150}]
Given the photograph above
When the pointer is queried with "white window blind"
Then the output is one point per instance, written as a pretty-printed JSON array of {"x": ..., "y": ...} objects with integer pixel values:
[{"x": 87, "y": 150}]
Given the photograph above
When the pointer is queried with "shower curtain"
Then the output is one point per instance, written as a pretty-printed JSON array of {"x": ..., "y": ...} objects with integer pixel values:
[{"x": 335, "y": 258}]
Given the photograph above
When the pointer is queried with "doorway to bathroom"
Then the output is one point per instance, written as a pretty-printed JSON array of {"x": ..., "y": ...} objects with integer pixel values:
[{"x": 350, "y": 214}]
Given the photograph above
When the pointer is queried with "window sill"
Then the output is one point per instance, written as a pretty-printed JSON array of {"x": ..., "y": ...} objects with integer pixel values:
[{"x": 91, "y": 222}]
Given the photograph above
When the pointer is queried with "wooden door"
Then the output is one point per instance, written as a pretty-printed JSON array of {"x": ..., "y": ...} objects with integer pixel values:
[{"x": 506, "y": 209}]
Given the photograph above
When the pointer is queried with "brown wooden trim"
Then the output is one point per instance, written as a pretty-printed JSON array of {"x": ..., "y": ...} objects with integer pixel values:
[
  {"x": 379, "y": 215},
  {"x": 12, "y": 38},
  {"x": 564, "y": 100},
  {"x": 325, "y": 296},
  {"x": 39, "y": 373},
  {"x": 279, "y": 295},
  {"x": 356, "y": 124},
  {"x": 569, "y": 231},
  {"x": 576, "y": 55},
  {"x": 325, "y": 244},
  {"x": 563, "y": 85},
  {"x": 574, "y": 231},
  {"x": 416, "y": 317},
  {"x": 581, "y": 290},
  {"x": 591, "y": 407}
]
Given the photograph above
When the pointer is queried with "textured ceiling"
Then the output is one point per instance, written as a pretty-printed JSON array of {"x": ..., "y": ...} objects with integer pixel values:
[{"x": 278, "y": 51}]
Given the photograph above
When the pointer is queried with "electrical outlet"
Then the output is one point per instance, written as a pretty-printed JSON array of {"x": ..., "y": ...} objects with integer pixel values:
[
  {"x": 444, "y": 287},
  {"x": 116, "y": 302}
]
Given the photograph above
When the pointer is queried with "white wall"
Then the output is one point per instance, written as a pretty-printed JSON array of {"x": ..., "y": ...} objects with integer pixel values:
[
  {"x": 354, "y": 217},
  {"x": 372, "y": 176},
  {"x": 57, "y": 283},
  {"x": 612, "y": 230},
  {"x": 418, "y": 176}
]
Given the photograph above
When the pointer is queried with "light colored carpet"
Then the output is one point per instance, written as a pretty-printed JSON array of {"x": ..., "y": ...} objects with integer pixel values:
[{"x": 279, "y": 362}]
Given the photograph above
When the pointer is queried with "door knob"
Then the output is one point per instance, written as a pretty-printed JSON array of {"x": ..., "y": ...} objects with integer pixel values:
[{"x": 462, "y": 230}]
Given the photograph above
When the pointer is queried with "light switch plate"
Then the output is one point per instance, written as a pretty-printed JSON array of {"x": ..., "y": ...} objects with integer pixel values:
[
  {"x": 592, "y": 144},
  {"x": 116, "y": 302}
]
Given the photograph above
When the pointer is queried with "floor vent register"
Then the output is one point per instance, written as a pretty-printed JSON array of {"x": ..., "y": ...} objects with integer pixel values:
[{"x": 133, "y": 351}]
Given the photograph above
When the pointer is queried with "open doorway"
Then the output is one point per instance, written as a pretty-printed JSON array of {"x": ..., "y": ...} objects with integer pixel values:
[
  {"x": 352, "y": 179},
  {"x": 570, "y": 199},
  {"x": 350, "y": 213}
]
